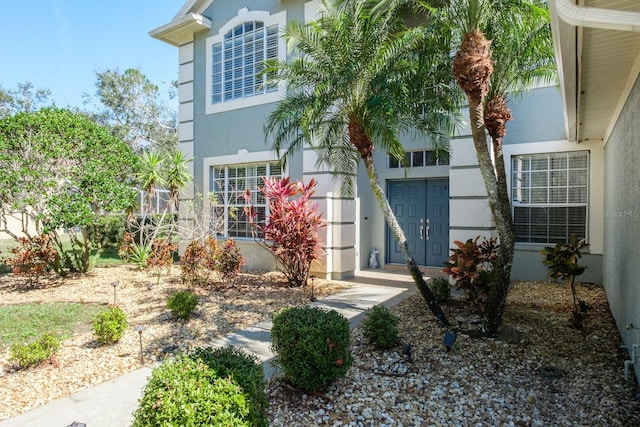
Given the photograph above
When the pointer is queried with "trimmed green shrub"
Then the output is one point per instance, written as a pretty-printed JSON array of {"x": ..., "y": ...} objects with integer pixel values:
[
  {"x": 27, "y": 355},
  {"x": 107, "y": 232},
  {"x": 182, "y": 304},
  {"x": 380, "y": 326},
  {"x": 186, "y": 392},
  {"x": 109, "y": 325},
  {"x": 440, "y": 288},
  {"x": 244, "y": 370},
  {"x": 311, "y": 346}
]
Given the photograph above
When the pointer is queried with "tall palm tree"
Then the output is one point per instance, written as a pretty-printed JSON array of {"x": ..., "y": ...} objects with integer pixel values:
[
  {"x": 502, "y": 47},
  {"x": 505, "y": 46},
  {"x": 359, "y": 81}
]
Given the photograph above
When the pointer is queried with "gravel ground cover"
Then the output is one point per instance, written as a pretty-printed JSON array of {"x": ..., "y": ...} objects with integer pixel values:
[
  {"x": 82, "y": 362},
  {"x": 480, "y": 382}
]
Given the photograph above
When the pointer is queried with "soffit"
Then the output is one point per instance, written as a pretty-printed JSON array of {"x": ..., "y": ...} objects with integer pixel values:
[{"x": 598, "y": 68}]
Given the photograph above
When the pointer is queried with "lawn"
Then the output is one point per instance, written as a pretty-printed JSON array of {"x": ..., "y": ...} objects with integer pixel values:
[{"x": 20, "y": 323}]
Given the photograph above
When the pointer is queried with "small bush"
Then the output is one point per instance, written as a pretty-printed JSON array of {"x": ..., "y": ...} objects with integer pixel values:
[
  {"x": 186, "y": 392},
  {"x": 109, "y": 325},
  {"x": 27, "y": 355},
  {"x": 192, "y": 271},
  {"x": 244, "y": 370},
  {"x": 380, "y": 326},
  {"x": 228, "y": 261},
  {"x": 33, "y": 258},
  {"x": 440, "y": 288},
  {"x": 182, "y": 304},
  {"x": 107, "y": 232},
  {"x": 311, "y": 345}
]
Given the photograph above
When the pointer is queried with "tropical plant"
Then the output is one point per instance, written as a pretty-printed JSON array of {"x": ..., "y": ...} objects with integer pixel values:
[
  {"x": 359, "y": 80},
  {"x": 176, "y": 174},
  {"x": 161, "y": 257},
  {"x": 291, "y": 233},
  {"x": 33, "y": 258},
  {"x": 228, "y": 261},
  {"x": 516, "y": 50},
  {"x": 473, "y": 267},
  {"x": 562, "y": 262}
]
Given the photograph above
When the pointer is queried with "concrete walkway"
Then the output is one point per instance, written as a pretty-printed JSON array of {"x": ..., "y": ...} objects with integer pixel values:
[{"x": 112, "y": 403}]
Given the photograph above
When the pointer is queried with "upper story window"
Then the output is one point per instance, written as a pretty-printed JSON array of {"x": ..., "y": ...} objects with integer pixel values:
[
  {"x": 414, "y": 159},
  {"x": 550, "y": 195},
  {"x": 235, "y": 59}
]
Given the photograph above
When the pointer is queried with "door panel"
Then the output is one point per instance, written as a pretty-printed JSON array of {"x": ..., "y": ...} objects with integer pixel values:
[{"x": 422, "y": 210}]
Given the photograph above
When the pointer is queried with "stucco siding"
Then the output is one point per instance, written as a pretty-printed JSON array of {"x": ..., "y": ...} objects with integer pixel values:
[{"x": 622, "y": 220}]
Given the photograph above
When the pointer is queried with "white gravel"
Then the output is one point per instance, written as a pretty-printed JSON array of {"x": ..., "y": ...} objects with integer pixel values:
[{"x": 480, "y": 382}]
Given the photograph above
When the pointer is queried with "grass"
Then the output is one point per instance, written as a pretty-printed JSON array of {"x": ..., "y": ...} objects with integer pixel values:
[{"x": 21, "y": 323}]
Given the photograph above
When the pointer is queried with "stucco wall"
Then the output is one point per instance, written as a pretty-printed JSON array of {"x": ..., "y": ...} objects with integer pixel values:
[{"x": 622, "y": 220}]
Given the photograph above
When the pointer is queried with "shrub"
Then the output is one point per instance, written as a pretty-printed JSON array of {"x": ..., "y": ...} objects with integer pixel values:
[
  {"x": 471, "y": 265},
  {"x": 33, "y": 258},
  {"x": 198, "y": 260},
  {"x": 291, "y": 234},
  {"x": 139, "y": 254},
  {"x": 182, "y": 304},
  {"x": 380, "y": 326},
  {"x": 311, "y": 345},
  {"x": 562, "y": 262},
  {"x": 161, "y": 257},
  {"x": 244, "y": 370},
  {"x": 27, "y": 355},
  {"x": 228, "y": 261},
  {"x": 186, "y": 392},
  {"x": 441, "y": 288},
  {"x": 109, "y": 325},
  {"x": 107, "y": 232}
]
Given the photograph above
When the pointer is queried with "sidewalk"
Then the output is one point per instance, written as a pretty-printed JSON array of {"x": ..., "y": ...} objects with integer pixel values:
[{"x": 112, "y": 403}]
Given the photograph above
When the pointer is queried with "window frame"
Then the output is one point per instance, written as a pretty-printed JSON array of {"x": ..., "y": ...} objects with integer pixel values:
[
  {"x": 243, "y": 16},
  {"x": 242, "y": 159},
  {"x": 550, "y": 204}
]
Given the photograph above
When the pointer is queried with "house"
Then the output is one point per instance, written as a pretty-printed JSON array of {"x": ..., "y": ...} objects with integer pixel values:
[{"x": 569, "y": 152}]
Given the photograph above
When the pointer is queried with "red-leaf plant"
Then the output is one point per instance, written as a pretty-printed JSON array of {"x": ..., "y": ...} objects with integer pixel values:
[
  {"x": 291, "y": 230},
  {"x": 471, "y": 265}
]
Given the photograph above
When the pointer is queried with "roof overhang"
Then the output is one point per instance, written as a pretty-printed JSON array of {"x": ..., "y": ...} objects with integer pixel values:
[
  {"x": 181, "y": 29},
  {"x": 598, "y": 57}
]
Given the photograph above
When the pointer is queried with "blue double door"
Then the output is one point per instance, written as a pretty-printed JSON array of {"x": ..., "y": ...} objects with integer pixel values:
[{"x": 422, "y": 210}]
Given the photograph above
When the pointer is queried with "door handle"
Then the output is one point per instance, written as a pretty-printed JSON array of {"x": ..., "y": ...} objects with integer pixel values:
[
  {"x": 428, "y": 228},
  {"x": 422, "y": 232}
]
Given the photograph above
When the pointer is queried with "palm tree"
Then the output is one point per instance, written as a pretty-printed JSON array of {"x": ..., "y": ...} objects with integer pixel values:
[
  {"x": 359, "y": 81},
  {"x": 176, "y": 175},
  {"x": 503, "y": 47}
]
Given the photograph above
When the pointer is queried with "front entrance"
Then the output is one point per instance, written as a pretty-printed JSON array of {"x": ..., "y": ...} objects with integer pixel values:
[{"x": 422, "y": 210}]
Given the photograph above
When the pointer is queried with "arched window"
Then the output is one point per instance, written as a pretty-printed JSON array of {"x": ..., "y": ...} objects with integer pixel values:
[{"x": 235, "y": 59}]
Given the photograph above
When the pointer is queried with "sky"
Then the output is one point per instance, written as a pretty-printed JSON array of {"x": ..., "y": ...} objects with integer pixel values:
[{"x": 60, "y": 44}]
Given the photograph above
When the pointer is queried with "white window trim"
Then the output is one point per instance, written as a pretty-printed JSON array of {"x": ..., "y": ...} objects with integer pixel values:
[
  {"x": 242, "y": 157},
  {"x": 245, "y": 15},
  {"x": 555, "y": 150}
]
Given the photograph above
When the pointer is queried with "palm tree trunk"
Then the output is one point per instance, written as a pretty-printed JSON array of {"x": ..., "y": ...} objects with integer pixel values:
[
  {"x": 495, "y": 183},
  {"x": 391, "y": 220}
]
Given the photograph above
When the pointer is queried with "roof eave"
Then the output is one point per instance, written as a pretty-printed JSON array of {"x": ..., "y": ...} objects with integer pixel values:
[{"x": 181, "y": 30}]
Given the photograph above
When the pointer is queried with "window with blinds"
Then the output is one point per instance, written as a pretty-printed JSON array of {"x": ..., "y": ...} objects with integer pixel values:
[
  {"x": 237, "y": 61},
  {"x": 550, "y": 195}
]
